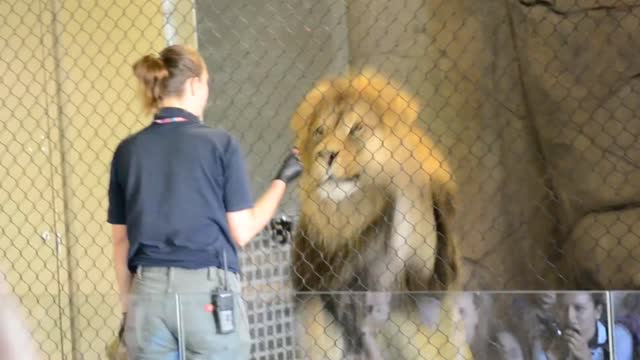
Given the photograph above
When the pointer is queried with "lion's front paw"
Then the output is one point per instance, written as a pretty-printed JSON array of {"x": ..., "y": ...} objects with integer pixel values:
[{"x": 378, "y": 312}]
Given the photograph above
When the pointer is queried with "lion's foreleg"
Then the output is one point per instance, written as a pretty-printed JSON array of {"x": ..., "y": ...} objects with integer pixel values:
[
  {"x": 407, "y": 337},
  {"x": 411, "y": 245},
  {"x": 318, "y": 335},
  {"x": 377, "y": 315}
]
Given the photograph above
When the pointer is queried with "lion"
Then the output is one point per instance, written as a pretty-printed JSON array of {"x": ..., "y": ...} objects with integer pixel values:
[{"x": 377, "y": 208}]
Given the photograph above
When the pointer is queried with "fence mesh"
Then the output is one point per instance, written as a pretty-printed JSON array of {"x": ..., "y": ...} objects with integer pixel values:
[{"x": 529, "y": 111}]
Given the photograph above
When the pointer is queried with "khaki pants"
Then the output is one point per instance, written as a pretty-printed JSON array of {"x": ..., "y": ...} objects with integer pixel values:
[{"x": 169, "y": 315}]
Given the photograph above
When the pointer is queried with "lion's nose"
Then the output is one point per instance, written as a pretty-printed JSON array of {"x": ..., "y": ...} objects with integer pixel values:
[{"x": 329, "y": 155}]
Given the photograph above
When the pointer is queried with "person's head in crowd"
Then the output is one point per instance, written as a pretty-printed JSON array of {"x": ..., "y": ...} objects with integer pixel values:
[
  {"x": 629, "y": 305},
  {"x": 466, "y": 310},
  {"x": 581, "y": 312},
  {"x": 504, "y": 345},
  {"x": 618, "y": 301},
  {"x": 546, "y": 300}
]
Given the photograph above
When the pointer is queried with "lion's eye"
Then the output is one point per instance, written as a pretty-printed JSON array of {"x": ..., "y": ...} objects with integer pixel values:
[
  {"x": 355, "y": 130},
  {"x": 318, "y": 132}
]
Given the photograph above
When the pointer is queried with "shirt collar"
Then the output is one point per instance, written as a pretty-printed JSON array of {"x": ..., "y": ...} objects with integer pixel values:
[
  {"x": 600, "y": 337},
  {"x": 175, "y": 112}
]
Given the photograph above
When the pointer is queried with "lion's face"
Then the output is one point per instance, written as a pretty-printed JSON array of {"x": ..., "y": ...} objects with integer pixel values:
[
  {"x": 364, "y": 157},
  {"x": 347, "y": 133},
  {"x": 341, "y": 147}
]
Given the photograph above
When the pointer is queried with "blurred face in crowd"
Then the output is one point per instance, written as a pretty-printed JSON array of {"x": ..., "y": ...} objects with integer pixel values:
[
  {"x": 546, "y": 300},
  {"x": 627, "y": 304},
  {"x": 508, "y": 347},
  {"x": 579, "y": 312},
  {"x": 468, "y": 313}
]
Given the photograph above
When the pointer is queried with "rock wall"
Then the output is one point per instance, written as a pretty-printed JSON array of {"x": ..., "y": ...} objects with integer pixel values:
[
  {"x": 581, "y": 69},
  {"x": 459, "y": 57}
]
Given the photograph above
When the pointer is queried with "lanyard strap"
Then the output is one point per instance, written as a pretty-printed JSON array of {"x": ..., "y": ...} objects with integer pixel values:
[{"x": 170, "y": 120}]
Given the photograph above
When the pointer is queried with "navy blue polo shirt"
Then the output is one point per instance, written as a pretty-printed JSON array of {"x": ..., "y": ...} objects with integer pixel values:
[{"x": 172, "y": 184}]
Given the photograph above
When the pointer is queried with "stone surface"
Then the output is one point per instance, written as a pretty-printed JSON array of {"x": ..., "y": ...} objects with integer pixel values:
[
  {"x": 581, "y": 71},
  {"x": 606, "y": 246},
  {"x": 458, "y": 57},
  {"x": 582, "y": 77}
]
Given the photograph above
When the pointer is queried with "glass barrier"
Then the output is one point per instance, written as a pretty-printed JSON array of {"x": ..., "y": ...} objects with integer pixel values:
[{"x": 166, "y": 324}]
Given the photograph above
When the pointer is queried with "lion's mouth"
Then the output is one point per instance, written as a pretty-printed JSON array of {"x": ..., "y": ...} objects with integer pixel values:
[
  {"x": 338, "y": 189},
  {"x": 346, "y": 180}
]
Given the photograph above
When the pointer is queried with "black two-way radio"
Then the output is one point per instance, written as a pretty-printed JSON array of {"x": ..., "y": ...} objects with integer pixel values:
[{"x": 223, "y": 302}]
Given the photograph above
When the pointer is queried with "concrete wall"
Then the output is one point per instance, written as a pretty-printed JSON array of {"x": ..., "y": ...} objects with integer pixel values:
[
  {"x": 263, "y": 57},
  {"x": 517, "y": 95}
]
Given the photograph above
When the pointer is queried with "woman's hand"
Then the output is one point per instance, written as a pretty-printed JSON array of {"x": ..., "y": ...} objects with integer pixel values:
[
  {"x": 291, "y": 168},
  {"x": 578, "y": 347},
  {"x": 245, "y": 224}
]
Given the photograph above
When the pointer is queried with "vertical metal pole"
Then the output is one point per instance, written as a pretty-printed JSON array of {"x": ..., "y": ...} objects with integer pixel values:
[
  {"x": 194, "y": 21},
  {"x": 179, "y": 28},
  {"x": 610, "y": 324},
  {"x": 57, "y": 33},
  {"x": 170, "y": 28}
]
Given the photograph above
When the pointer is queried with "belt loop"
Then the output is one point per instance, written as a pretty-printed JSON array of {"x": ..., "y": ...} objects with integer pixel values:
[
  {"x": 209, "y": 273},
  {"x": 139, "y": 272}
]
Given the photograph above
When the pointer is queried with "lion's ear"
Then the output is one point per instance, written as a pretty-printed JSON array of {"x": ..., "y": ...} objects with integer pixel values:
[
  {"x": 392, "y": 100},
  {"x": 303, "y": 115},
  {"x": 299, "y": 125}
]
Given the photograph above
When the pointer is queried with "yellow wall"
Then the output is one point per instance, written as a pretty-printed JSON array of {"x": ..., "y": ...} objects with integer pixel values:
[
  {"x": 27, "y": 110},
  {"x": 100, "y": 40},
  {"x": 68, "y": 99}
]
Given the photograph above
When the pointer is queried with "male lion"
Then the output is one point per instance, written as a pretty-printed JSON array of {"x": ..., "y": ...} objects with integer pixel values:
[{"x": 376, "y": 208}]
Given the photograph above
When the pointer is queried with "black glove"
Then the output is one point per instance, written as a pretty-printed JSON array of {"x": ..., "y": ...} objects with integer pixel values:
[{"x": 291, "y": 168}]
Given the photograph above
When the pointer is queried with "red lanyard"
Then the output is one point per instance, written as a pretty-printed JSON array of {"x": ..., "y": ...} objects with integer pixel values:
[{"x": 169, "y": 120}]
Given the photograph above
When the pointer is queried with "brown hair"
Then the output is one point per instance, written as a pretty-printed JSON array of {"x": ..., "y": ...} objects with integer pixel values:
[
  {"x": 165, "y": 75},
  {"x": 631, "y": 303},
  {"x": 598, "y": 299}
]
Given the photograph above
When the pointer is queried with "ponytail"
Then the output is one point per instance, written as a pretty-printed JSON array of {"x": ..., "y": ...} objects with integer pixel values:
[
  {"x": 165, "y": 75},
  {"x": 152, "y": 74}
]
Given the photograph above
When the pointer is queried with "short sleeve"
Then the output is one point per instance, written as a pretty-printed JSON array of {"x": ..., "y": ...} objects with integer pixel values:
[
  {"x": 624, "y": 343},
  {"x": 117, "y": 208},
  {"x": 237, "y": 190}
]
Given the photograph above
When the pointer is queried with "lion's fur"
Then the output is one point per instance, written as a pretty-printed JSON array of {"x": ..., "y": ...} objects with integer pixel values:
[
  {"x": 376, "y": 195},
  {"x": 398, "y": 160}
]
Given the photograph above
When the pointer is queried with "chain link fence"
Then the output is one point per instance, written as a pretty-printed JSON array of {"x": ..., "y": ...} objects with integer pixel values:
[{"x": 533, "y": 106}]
